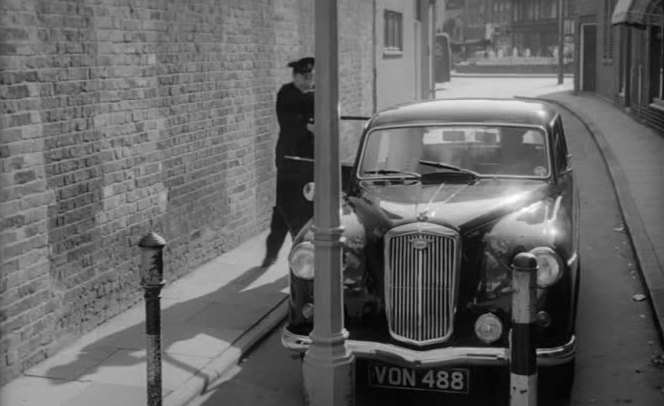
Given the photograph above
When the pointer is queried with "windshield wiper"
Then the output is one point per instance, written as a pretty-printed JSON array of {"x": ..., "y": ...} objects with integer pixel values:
[
  {"x": 449, "y": 166},
  {"x": 408, "y": 174}
]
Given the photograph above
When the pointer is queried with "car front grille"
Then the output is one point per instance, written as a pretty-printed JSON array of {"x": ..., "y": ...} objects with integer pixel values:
[{"x": 421, "y": 282}]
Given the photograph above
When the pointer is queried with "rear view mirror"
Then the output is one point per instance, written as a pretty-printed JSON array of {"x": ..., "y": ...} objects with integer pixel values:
[
  {"x": 347, "y": 167},
  {"x": 346, "y": 175}
]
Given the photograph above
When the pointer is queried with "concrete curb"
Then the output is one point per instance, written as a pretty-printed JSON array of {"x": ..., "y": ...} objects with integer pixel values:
[
  {"x": 213, "y": 370},
  {"x": 646, "y": 258}
]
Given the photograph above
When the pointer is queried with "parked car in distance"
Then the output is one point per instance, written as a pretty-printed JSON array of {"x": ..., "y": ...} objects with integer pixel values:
[{"x": 441, "y": 197}]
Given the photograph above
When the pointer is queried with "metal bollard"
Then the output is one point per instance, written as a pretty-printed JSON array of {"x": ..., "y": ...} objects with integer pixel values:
[
  {"x": 152, "y": 272},
  {"x": 523, "y": 354}
]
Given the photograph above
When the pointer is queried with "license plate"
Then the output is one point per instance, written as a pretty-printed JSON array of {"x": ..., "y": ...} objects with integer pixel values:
[{"x": 449, "y": 380}]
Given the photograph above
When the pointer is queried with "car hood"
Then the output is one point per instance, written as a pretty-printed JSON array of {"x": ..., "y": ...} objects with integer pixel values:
[{"x": 461, "y": 206}]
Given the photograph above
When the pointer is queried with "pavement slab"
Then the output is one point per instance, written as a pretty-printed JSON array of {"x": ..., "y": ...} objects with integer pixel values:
[
  {"x": 39, "y": 391},
  {"x": 104, "y": 394}
]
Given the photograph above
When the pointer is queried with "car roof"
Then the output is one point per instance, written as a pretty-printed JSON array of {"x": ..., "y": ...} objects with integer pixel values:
[{"x": 471, "y": 111}]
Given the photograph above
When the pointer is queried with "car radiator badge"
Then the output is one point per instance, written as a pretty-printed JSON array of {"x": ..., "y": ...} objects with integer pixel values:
[{"x": 419, "y": 243}]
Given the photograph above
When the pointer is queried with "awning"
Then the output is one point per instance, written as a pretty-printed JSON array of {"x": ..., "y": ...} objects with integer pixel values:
[{"x": 638, "y": 12}]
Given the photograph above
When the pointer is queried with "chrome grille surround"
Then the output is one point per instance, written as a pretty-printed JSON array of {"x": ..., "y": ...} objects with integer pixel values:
[{"x": 421, "y": 282}]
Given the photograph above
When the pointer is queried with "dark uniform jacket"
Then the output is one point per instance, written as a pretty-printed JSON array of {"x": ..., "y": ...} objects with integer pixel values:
[{"x": 294, "y": 110}]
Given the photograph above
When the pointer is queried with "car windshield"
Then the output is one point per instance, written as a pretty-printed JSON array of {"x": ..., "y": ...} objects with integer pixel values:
[{"x": 493, "y": 150}]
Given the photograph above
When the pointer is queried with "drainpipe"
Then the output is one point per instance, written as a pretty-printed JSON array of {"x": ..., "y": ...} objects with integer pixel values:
[
  {"x": 629, "y": 69},
  {"x": 431, "y": 44},
  {"x": 561, "y": 41},
  {"x": 374, "y": 39},
  {"x": 661, "y": 63},
  {"x": 640, "y": 82}
]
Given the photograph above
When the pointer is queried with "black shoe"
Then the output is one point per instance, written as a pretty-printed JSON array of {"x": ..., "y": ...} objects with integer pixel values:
[{"x": 268, "y": 261}]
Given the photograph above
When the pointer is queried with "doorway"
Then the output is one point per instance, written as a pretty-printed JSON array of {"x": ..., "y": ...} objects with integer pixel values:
[{"x": 588, "y": 57}]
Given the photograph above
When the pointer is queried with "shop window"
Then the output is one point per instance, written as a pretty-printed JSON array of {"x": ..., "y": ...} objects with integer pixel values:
[{"x": 393, "y": 41}]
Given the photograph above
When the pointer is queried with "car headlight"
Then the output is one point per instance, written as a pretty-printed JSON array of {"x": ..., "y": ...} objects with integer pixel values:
[
  {"x": 301, "y": 260},
  {"x": 549, "y": 266}
]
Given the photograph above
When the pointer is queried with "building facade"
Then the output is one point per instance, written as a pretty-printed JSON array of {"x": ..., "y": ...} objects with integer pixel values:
[
  {"x": 515, "y": 28},
  {"x": 535, "y": 26},
  {"x": 404, "y": 61},
  {"x": 621, "y": 55},
  {"x": 122, "y": 117}
]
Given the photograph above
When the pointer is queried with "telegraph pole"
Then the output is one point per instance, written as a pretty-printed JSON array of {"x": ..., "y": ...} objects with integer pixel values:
[
  {"x": 561, "y": 41},
  {"x": 328, "y": 368}
]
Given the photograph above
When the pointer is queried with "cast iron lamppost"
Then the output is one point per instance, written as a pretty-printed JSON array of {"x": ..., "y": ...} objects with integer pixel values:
[
  {"x": 328, "y": 368},
  {"x": 152, "y": 280}
]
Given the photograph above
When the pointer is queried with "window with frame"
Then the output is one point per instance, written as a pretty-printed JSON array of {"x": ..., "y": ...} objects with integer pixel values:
[
  {"x": 495, "y": 150},
  {"x": 393, "y": 40},
  {"x": 607, "y": 43},
  {"x": 515, "y": 12}
]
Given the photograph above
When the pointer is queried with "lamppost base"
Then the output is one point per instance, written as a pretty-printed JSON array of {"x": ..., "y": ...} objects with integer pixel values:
[{"x": 329, "y": 381}]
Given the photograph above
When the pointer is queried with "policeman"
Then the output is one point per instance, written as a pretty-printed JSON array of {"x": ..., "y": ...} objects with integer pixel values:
[{"x": 295, "y": 113}]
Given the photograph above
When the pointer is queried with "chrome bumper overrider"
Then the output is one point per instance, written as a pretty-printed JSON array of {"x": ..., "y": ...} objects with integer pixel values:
[{"x": 437, "y": 357}]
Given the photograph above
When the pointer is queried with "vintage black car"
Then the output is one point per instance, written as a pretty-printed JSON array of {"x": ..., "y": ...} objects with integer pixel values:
[{"x": 441, "y": 197}]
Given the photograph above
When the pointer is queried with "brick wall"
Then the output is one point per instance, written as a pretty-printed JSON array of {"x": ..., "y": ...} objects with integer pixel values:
[
  {"x": 121, "y": 117},
  {"x": 356, "y": 55},
  {"x": 607, "y": 68}
]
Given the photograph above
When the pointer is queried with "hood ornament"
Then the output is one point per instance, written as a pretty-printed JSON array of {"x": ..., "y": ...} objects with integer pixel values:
[{"x": 424, "y": 214}]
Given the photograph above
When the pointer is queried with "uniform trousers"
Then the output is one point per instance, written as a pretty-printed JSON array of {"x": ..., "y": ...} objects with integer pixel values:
[{"x": 289, "y": 215}]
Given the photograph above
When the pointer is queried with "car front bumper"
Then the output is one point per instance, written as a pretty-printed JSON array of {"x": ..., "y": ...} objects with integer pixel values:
[{"x": 439, "y": 357}]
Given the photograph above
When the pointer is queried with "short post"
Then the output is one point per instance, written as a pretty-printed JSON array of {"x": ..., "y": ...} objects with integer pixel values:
[
  {"x": 152, "y": 272},
  {"x": 523, "y": 354}
]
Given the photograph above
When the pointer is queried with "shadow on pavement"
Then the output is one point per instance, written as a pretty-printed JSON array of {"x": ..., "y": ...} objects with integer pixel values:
[
  {"x": 193, "y": 332},
  {"x": 271, "y": 375}
]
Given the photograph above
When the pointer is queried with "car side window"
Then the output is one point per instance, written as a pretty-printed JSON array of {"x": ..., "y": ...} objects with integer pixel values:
[{"x": 559, "y": 147}]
